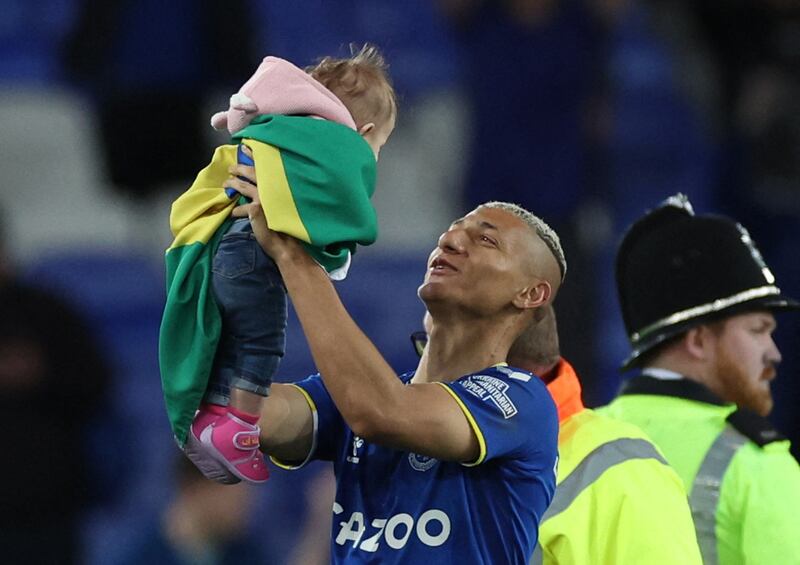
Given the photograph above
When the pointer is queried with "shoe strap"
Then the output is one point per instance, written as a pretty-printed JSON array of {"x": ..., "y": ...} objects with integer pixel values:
[{"x": 248, "y": 440}]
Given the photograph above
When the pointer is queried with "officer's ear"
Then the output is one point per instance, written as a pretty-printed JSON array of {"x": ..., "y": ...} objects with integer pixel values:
[{"x": 700, "y": 342}]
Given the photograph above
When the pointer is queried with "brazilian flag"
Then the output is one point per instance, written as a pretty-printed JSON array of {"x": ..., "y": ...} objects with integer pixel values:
[{"x": 315, "y": 180}]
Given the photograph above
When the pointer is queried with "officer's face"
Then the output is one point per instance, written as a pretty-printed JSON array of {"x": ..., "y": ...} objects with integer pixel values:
[{"x": 746, "y": 357}]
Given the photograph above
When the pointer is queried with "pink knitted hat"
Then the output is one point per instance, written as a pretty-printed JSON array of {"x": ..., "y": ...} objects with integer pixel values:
[{"x": 279, "y": 87}]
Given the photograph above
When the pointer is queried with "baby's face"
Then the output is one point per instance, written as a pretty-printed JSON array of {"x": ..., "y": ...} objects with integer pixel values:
[{"x": 377, "y": 135}]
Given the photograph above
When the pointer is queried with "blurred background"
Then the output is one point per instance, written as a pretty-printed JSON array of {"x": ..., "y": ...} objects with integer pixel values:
[{"x": 587, "y": 112}]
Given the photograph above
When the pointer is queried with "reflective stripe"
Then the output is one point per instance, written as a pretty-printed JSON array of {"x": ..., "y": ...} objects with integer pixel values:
[
  {"x": 703, "y": 309},
  {"x": 597, "y": 462},
  {"x": 706, "y": 489}
]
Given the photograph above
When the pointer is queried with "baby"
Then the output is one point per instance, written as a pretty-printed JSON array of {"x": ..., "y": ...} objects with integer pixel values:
[{"x": 314, "y": 138}]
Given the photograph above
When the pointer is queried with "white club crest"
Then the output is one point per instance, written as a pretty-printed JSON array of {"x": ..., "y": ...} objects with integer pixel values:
[{"x": 421, "y": 462}]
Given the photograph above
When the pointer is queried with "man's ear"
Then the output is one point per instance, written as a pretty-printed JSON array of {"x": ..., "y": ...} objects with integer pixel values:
[
  {"x": 366, "y": 128},
  {"x": 699, "y": 342},
  {"x": 533, "y": 296}
]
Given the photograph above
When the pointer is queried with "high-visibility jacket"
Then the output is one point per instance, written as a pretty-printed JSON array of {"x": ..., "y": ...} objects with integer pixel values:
[
  {"x": 617, "y": 501},
  {"x": 744, "y": 484}
]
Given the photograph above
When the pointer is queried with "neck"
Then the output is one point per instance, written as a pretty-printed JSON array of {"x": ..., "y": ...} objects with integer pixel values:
[
  {"x": 545, "y": 372},
  {"x": 671, "y": 362},
  {"x": 459, "y": 347}
]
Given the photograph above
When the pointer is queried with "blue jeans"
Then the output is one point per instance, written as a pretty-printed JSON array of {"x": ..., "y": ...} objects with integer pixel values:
[{"x": 252, "y": 299}]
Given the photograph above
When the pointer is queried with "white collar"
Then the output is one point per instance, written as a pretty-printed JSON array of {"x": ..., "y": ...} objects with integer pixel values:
[{"x": 662, "y": 374}]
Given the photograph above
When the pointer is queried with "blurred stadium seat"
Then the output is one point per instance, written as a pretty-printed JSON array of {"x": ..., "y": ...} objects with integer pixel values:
[{"x": 53, "y": 189}]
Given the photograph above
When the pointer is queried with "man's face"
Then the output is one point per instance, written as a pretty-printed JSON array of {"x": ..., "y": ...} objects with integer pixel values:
[
  {"x": 746, "y": 357},
  {"x": 481, "y": 262}
]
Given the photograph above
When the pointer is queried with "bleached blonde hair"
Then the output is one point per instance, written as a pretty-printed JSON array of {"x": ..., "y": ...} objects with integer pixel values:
[{"x": 547, "y": 234}]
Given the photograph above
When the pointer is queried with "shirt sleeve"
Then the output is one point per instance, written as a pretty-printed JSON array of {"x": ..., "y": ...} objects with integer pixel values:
[
  {"x": 511, "y": 413},
  {"x": 328, "y": 424},
  {"x": 762, "y": 494}
]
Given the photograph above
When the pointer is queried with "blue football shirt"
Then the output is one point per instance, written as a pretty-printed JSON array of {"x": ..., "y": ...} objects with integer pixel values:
[{"x": 394, "y": 506}]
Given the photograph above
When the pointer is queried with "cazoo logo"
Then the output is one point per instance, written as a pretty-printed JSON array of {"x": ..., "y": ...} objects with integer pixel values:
[{"x": 432, "y": 528}]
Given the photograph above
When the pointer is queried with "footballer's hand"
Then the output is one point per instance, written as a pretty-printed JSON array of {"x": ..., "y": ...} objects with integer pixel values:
[{"x": 281, "y": 247}]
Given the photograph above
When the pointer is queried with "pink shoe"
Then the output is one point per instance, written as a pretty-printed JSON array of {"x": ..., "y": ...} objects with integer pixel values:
[
  {"x": 234, "y": 443},
  {"x": 200, "y": 455}
]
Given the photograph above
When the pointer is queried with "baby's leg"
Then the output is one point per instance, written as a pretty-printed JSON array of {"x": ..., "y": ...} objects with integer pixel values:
[
  {"x": 252, "y": 299},
  {"x": 246, "y": 401}
]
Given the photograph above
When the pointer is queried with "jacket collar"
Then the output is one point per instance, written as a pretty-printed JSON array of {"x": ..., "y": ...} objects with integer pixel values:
[
  {"x": 680, "y": 388},
  {"x": 565, "y": 388}
]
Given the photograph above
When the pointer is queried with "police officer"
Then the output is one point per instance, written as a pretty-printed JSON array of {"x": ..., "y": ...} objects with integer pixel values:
[{"x": 698, "y": 300}]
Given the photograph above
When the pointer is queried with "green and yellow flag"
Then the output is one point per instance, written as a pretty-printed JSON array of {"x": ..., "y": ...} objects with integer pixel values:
[{"x": 315, "y": 180}]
